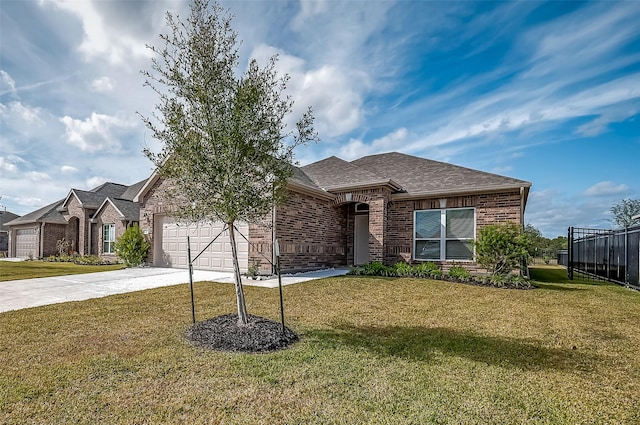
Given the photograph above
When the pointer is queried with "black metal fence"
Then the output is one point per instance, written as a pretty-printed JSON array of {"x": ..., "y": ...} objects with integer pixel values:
[{"x": 612, "y": 255}]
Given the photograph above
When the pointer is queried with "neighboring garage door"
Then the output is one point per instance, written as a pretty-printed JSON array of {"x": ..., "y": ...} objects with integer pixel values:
[
  {"x": 26, "y": 242},
  {"x": 170, "y": 245}
]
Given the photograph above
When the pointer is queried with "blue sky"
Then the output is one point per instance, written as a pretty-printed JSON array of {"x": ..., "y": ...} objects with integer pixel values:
[{"x": 547, "y": 92}]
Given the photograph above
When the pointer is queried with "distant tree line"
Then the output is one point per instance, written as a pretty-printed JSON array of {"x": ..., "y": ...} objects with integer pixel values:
[{"x": 541, "y": 247}]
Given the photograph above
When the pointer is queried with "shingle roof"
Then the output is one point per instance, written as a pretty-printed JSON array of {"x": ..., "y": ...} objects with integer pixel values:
[
  {"x": 130, "y": 210},
  {"x": 334, "y": 173},
  {"x": 46, "y": 214},
  {"x": 5, "y": 217},
  {"x": 91, "y": 199},
  {"x": 94, "y": 197},
  {"x": 410, "y": 174},
  {"x": 132, "y": 190}
]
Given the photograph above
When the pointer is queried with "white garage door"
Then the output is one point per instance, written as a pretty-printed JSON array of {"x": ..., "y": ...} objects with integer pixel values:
[
  {"x": 26, "y": 242},
  {"x": 170, "y": 245}
]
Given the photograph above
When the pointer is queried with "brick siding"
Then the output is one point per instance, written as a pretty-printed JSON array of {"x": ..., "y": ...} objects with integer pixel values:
[
  {"x": 314, "y": 232},
  {"x": 310, "y": 233},
  {"x": 52, "y": 234},
  {"x": 490, "y": 209}
]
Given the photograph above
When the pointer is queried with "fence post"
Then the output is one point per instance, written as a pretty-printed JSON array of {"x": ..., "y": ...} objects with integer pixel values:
[
  {"x": 626, "y": 257},
  {"x": 570, "y": 253}
]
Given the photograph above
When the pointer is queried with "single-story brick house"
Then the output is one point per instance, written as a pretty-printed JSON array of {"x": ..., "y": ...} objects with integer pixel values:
[
  {"x": 89, "y": 220},
  {"x": 389, "y": 207}
]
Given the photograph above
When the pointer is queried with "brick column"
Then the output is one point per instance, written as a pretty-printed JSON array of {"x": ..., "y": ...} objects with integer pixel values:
[{"x": 377, "y": 227}]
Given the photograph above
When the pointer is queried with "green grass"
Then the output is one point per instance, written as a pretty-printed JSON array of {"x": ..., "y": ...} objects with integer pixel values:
[
  {"x": 10, "y": 270},
  {"x": 373, "y": 350}
]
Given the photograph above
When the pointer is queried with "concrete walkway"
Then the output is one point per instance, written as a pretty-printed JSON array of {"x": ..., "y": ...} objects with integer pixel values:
[{"x": 18, "y": 294}]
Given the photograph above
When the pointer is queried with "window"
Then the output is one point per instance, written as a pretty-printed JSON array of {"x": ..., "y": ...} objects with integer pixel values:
[
  {"x": 108, "y": 238},
  {"x": 444, "y": 234}
]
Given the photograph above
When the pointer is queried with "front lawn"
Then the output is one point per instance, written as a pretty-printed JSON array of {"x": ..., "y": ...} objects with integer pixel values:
[
  {"x": 10, "y": 270},
  {"x": 372, "y": 350}
]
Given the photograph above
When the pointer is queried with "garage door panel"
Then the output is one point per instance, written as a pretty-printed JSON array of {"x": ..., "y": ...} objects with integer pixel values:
[
  {"x": 217, "y": 256},
  {"x": 26, "y": 242}
]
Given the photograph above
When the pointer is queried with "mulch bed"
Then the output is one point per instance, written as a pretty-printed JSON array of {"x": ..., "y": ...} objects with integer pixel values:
[{"x": 223, "y": 333}]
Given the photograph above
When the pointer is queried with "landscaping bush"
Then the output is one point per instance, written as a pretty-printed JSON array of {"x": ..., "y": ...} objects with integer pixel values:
[
  {"x": 426, "y": 269},
  {"x": 402, "y": 269},
  {"x": 459, "y": 272},
  {"x": 132, "y": 247},
  {"x": 430, "y": 270},
  {"x": 84, "y": 260},
  {"x": 501, "y": 248}
]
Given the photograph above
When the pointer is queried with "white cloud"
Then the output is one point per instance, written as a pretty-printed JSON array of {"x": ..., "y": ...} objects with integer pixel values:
[
  {"x": 95, "y": 181},
  {"x": 27, "y": 201},
  {"x": 7, "y": 84},
  {"x": 95, "y": 133},
  {"x": 606, "y": 188},
  {"x": 335, "y": 94},
  {"x": 392, "y": 141},
  {"x": 102, "y": 84},
  {"x": 18, "y": 111},
  {"x": 38, "y": 176},
  {"x": 111, "y": 39},
  {"x": 68, "y": 169},
  {"x": 7, "y": 166}
]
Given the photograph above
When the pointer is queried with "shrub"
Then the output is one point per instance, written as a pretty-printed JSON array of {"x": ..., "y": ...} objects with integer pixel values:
[
  {"x": 402, "y": 269},
  {"x": 501, "y": 248},
  {"x": 376, "y": 268},
  {"x": 90, "y": 260},
  {"x": 459, "y": 272},
  {"x": 132, "y": 247},
  {"x": 426, "y": 269}
]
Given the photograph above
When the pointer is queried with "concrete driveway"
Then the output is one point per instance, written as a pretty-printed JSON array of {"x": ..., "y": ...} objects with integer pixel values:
[{"x": 18, "y": 294}]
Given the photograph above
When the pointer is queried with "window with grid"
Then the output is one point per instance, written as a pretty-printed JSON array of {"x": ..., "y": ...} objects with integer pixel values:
[
  {"x": 108, "y": 238},
  {"x": 444, "y": 234}
]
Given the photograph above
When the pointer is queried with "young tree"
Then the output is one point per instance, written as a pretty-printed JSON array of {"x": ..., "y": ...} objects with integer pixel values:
[
  {"x": 226, "y": 146},
  {"x": 624, "y": 212}
]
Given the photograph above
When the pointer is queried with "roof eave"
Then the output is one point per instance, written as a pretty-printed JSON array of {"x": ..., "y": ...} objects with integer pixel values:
[
  {"x": 146, "y": 186},
  {"x": 297, "y": 187},
  {"x": 388, "y": 183},
  {"x": 448, "y": 192}
]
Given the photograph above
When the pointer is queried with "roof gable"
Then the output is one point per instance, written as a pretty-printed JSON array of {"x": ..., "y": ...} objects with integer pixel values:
[
  {"x": 93, "y": 198},
  {"x": 128, "y": 210}
]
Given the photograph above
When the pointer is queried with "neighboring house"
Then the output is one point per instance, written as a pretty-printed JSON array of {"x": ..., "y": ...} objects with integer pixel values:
[
  {"x": 389, "y": 207},
  {"x": 5, "y": 217},
  {"x": 89, "y": 221}
]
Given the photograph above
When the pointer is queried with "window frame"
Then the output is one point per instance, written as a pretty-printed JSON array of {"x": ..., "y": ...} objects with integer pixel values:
[
  {"x": 443, "y": 239},
  {"x": 107, "y": 244}
]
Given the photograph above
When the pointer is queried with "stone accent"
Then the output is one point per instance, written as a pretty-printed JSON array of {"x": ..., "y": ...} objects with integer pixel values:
[{"x": 74, "y": 209}]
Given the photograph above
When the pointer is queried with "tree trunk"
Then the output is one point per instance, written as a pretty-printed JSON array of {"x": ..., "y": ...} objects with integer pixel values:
[{"x": 242, "y": 306}]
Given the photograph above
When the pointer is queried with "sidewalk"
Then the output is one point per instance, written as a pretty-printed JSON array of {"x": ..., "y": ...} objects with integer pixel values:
[{"x": 18, "y": 294}]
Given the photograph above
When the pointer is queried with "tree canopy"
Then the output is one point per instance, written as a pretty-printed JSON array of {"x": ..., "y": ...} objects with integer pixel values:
[
  {"x": 226, "y": 145},
  {"x": 624, "y": 212}
]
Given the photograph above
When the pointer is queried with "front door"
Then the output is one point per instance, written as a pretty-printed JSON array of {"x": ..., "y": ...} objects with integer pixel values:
[{"x": 361, "y": 239}]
